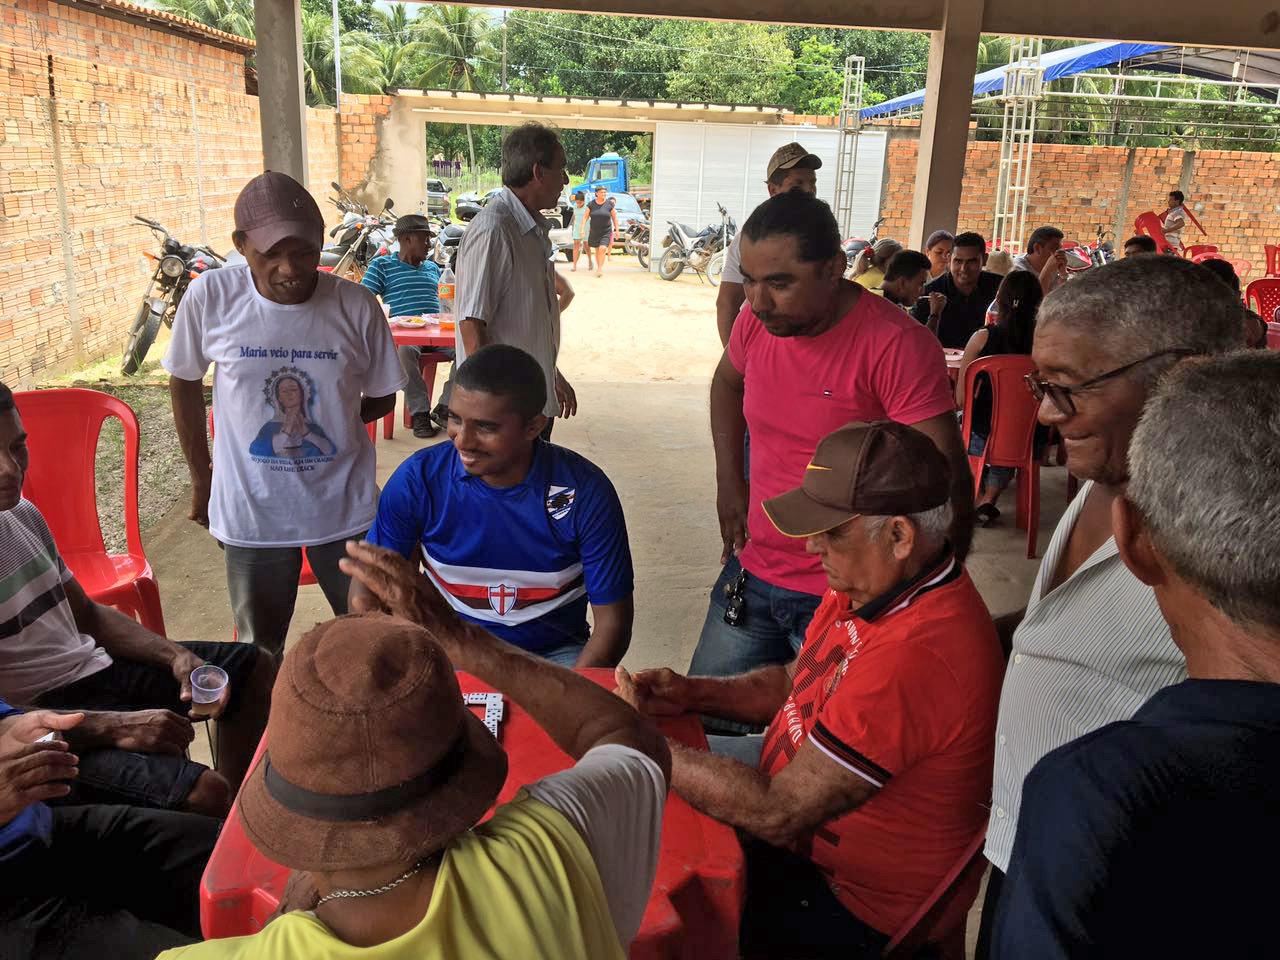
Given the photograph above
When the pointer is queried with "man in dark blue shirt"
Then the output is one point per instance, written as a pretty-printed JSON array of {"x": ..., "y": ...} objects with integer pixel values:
[
  {"x": 88, "y": 881},
  {"x": 519, "y": 535},
  {"x": 1156, "y": 836},
  {"x": 408, "y": 284},
  {"x": 954, "y": 306}
]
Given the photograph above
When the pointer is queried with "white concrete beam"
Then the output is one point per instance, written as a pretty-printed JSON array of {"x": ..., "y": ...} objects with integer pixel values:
[
  {"x": 944, "y": 125},
  {"x": 281, "y": 101}
]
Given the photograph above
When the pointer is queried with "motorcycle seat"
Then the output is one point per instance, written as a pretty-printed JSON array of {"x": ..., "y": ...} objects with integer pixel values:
[{"x": 688, "y": 230}]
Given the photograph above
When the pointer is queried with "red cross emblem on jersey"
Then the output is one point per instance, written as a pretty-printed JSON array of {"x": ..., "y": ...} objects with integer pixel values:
[{"x": 502, "y": 598}]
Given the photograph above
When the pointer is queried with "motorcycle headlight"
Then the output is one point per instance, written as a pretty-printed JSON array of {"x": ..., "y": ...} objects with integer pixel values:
[{"x": 172, "y": 267}]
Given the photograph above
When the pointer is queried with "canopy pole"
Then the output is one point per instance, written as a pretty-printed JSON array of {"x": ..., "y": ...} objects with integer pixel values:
[{"x": 944, "y": 125}]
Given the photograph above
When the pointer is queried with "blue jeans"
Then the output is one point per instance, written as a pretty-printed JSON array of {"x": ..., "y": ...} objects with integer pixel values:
[
  {"x": 109, "y": 775},
  {"x": 772, "y": 628},
  {"x": 998, "y": 477},
  {"x": 565, "y": 656}
]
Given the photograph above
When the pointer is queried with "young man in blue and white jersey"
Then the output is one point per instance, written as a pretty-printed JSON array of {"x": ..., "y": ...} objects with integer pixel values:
[
  {"x": 408, "y": 284},
  {"x": 518, "y": 534}
]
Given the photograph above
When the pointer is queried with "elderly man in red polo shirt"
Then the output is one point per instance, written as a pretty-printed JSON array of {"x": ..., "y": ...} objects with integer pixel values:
[{"x": 874, "y": 773}]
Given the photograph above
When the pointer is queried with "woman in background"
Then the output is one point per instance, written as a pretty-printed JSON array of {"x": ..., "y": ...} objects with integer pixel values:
[
  {"x": 580, "y": 217},
  {"x": 938, "y": 249}
]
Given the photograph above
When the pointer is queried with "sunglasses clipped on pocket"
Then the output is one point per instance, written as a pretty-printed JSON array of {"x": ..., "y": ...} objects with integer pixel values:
[{"x": 735, "y": 592}]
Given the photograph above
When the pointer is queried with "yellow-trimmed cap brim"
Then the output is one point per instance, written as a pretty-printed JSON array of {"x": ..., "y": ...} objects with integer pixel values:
[{"x": 797, "y": 515}]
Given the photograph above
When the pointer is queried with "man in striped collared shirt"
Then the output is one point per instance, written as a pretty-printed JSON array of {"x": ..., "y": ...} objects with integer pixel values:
[
  {"x": 408, "y": 283},
  {"x": 1091, "y": 646},
  {"x": 506, "y": 281}
]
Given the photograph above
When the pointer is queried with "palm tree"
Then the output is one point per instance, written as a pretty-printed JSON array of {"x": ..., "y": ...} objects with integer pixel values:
[
  {"x": 384, "y": 59},
  {"x": 230, "y": 16},
  {"x": 459, "y": 50}
]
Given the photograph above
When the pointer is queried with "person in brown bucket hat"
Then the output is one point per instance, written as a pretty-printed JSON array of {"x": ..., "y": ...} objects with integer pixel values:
[
  {"x": 376, "y": 775},
  {"x": 871, "y": 778}
]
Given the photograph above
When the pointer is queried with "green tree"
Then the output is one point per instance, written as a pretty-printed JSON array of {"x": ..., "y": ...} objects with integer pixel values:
[
  {"x": 815, "y": 84},
  {"x": 230, "y": 16},
  {"x": 732, "y": 63},
  {"x": 385, "y": 58},
  {"x": 458, "y": 52}
]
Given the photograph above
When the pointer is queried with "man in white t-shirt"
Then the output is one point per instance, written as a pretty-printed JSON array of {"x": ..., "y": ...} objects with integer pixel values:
[
  {"x": 304, "y": 361},
  {"x": 1175, "y": 217},
  {"x": 790, "y": 168}
]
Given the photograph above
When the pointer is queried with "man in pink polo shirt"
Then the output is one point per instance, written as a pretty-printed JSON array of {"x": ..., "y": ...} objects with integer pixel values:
[{"x": 810, "y": 352}]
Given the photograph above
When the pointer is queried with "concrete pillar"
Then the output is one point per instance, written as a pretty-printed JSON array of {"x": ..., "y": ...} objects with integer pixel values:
[
  {"x": 281, "y": 103},
  {"x": 944, "y": 126}
]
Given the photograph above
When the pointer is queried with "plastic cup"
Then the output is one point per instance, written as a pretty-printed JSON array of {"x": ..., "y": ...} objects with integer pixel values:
[{"x": 207, "y": 684}]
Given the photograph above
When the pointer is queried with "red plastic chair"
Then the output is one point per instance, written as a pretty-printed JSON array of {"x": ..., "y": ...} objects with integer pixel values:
[
  {"x": 1273, "y": 336},
  {"x": 1242, "y": 268},
  {"x": 1149, "y": 225},
  {"x": 1273, "y": 259},
  {"x": 1010, "y": 442},
  {"x": 63, "y": 427},
  {"x": 940, "y": 921},
  {"x": 1197, "y": 250},
  {"x": 1263, "y": 296},
  {"x": 427, "y": 365}
]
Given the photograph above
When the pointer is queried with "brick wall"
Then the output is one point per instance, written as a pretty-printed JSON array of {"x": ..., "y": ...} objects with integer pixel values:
[
  {"x": 362, "y": 118},
  {"x": 48, "y": 27},
  {"x": 130, "y": 140},
  {"x": 1235, "y": 195}
]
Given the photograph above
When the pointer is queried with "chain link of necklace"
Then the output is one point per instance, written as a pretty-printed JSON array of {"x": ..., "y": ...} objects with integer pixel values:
[{"x": 385, "y": 888}]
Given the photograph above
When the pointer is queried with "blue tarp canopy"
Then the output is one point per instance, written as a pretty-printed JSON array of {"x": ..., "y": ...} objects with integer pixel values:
[{"x": 1056, "y": 64}]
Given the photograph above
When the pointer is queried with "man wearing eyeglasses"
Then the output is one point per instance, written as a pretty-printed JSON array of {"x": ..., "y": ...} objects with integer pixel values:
[{"x": 1091, "y": 646}]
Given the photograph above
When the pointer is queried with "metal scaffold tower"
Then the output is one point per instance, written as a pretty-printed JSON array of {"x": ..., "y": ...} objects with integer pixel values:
[
  {"x": 1024, "y": 82},
  {"x": 849, "y": 124}
]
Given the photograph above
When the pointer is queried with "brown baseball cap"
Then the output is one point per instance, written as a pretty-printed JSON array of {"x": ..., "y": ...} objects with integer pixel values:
[
  {"x": 372, "y": 758},
  {"x": 876, "y": 469},
  {"x": 790, "y": 156},
  {"x": 273, "y": 207}
]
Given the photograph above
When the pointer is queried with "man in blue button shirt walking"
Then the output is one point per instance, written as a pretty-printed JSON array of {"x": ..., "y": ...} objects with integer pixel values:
[
  {"x": 519, "y": 535},
  {"x": 408, "y": 283}
]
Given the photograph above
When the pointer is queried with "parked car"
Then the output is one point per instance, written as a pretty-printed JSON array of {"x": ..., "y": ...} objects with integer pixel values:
[
  {"x": 437, "y": 198},
  {"x": 628, "y": 209}
]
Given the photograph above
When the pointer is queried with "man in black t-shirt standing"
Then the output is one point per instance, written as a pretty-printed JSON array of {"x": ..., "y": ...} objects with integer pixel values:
[
  {"x": 957, "y": 301},
  {"x": 1152, "y": 837}
]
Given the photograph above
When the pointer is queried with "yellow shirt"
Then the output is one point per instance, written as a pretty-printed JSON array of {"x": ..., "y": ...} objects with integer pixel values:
[
  {"x": 522, "y": 886},
  {"x": 871, "y": 279}
]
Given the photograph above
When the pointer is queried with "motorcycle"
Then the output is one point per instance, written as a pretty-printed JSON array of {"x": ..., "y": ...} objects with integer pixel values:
[
  {"x": 854, "y": 246},
  {"x": 177, "y": 265},
  {"x": 1084, "y": 257},
  {"x": 636, "y": 241},
  {"x": 685, "y": 247},
  {"x": 446, "y": 244},
  {"x": 364, "y": 236}
]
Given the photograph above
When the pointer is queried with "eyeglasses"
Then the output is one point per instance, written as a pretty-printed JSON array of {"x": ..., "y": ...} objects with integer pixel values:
[{"x": 1061, "y": 395}]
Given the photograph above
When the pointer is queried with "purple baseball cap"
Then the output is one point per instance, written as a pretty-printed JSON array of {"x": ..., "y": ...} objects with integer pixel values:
[{"x": 273, "y": 207}]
